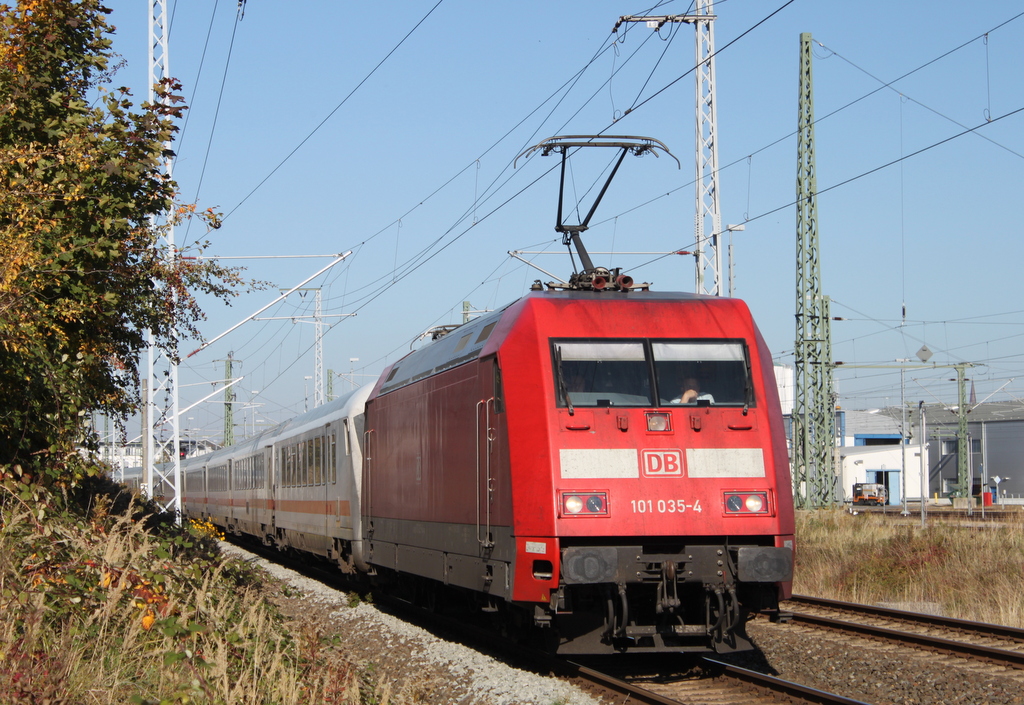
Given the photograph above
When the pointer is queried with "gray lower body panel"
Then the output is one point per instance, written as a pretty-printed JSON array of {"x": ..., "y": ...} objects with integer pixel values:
[{"x": 452, "y": 554}]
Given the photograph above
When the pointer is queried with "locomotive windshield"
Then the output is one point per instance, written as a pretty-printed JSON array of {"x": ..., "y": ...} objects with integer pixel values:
[
  {"x": 649, "y": 373},
  {"x": 604, "y": 374},
  {"x": 695, "y": 372}
]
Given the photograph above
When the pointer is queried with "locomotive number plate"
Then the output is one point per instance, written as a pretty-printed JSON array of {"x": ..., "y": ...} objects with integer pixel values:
[{"x": 664, "y": 506}]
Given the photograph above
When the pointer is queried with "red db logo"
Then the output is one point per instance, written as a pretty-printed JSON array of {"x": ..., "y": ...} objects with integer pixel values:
[{"x": 662, "y": 463}]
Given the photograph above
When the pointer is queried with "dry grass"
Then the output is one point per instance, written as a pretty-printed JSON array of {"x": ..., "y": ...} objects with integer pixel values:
[
  {"x": 972, "y": 572},
  {"x": 99, "y": 610}
]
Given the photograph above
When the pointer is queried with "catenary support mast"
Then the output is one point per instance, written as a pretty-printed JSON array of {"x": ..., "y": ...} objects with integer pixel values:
[
  {"x": 229, "y": 400},
  {"x": 161, "y": 432},
  {"x": 707, "y": 217},
  {"x": 814, "y": 480}
]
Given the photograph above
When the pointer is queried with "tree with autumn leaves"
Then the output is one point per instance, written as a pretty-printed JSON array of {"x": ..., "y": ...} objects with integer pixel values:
[{"x": 81, "y": 274}]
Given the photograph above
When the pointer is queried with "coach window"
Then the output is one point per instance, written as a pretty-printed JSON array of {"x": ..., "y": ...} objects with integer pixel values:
[
  {"x": 295, "y": 455},
  {"x": 602, "y": 373},
  {"x": 332, "y": 449},
  {"x": 702, "y": 372},
  {"x": 313, "y": 449},
  {"x": 318, "y": 447},
  {"x": 291, "y": 477}
]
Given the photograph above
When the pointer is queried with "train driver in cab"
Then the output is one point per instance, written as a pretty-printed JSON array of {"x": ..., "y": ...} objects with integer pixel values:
[{"x": 691, "y": 394}]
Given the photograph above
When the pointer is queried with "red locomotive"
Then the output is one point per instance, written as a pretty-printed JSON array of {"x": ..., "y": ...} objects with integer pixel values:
[
  {"x": 546, "y": 457},
  {"x": 595, "y": 458}
]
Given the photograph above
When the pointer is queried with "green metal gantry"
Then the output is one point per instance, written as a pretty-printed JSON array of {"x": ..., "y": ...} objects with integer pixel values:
[{"x": 813, "y": 427}]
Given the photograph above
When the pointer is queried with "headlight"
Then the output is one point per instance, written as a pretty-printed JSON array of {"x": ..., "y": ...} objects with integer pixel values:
[
  {"x": 740, "y": 503},
  {"x": 584, "y": 504},
  {"x": 658, "y": 421}
]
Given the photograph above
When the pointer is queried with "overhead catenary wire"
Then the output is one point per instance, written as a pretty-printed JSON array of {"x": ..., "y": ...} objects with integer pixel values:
[
  {"x": 422, "y": 257},
  {"x": 904, "y": 95},
  {"x": 199, "y": 71},
  {"x": 336, "y": 109},
  {"x": 213, "y": 127},
  {"x": 873, "y": 170},
  {"x": 477, "y": 201},
  {"x": 823, "y": 118},
  {"x": 422, "y": 253}
]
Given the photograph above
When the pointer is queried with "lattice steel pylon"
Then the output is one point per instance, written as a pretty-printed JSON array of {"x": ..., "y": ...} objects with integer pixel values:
[
  {"x": 707, "y": 216},
  {"x": 161, "y": 436},
  {"x": 318, "y": 364},
  {"x": 813, "y": 427},
  {"x": 707, "y": 253}
]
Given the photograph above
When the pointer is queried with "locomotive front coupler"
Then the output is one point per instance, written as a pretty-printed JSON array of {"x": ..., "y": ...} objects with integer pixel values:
[{"x": 668, "y": 590}]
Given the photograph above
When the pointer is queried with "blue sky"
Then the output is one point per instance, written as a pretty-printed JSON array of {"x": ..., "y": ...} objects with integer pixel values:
[{"x": 320, "y": 127}]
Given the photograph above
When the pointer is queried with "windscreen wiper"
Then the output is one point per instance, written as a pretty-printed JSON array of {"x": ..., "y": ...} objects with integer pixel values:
[{"x": 560, "y": 379}]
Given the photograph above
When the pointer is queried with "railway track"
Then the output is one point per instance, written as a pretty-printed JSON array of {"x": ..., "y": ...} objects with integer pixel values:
[
  {"x": 935, "y": 672},
  {"x": 990, "y": 643},
  {"x": 993, "y": 514},
  {"x": 717, "y": 683},
  {"x": 854, "y": 659},
  {"x": 665, "y": 680}
]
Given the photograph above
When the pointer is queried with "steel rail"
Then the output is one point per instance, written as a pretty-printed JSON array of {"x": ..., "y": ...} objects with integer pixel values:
[
  {"x": 980, "y": 628},
  {"x": 795, "y": 691},
  {"x": 1002, "y": 657},
  {"x": 767, "y": 685}
]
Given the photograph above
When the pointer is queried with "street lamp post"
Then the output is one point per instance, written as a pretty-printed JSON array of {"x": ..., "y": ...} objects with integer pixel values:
[{"x": 903, "y": 433}]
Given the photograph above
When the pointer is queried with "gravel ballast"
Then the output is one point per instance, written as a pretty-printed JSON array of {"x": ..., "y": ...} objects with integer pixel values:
[
  {"x": 421, "y": 667},
  {"x": 874, "y": 672}
]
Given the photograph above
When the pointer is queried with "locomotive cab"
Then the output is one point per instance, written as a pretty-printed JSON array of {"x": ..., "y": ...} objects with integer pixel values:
[
  {"x": 665, "y": 459},
  {"x": 669, "y": 592}
]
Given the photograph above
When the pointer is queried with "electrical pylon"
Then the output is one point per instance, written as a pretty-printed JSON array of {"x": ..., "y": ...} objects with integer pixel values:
[
  {"x": 161, "y": 436},
  {"x": 813, "y": 427},
  {"x": 707, "y": 217},
  {"x": 229, "y": 400}
]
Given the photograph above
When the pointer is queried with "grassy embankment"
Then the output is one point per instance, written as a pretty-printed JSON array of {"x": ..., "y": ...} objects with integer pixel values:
[
  {"x": 101, "y": 608},
  {"x": 974, "y": 573}
]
